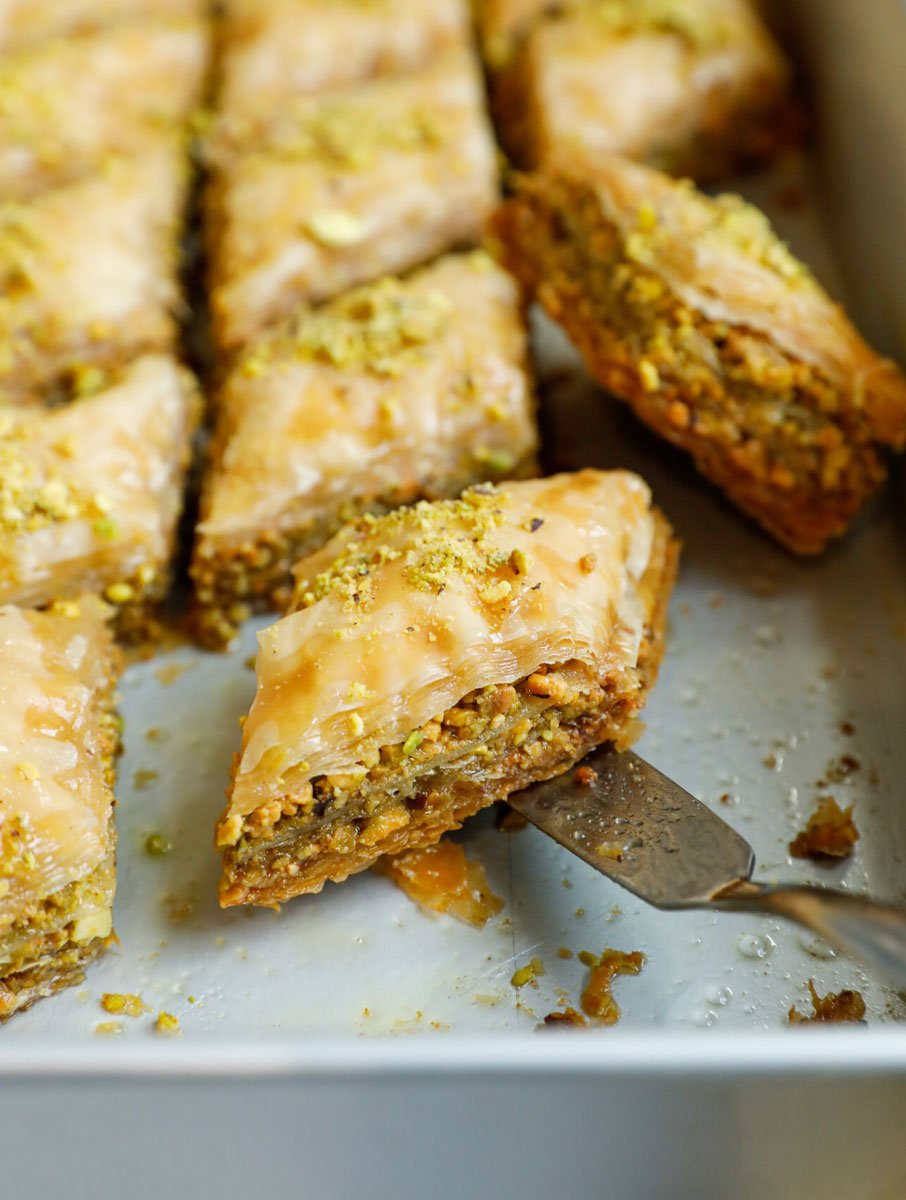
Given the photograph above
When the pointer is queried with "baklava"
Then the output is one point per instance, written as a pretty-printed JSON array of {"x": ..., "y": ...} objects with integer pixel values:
[
  {"x": 91, "y": 491},
  {"x": 344, "y": 188},
  {"x": 88, "y": 270},
  {"x": 436, "y": 659},
  {"x": 692, "y": 310},
  {"x": 68, "y": 103},
  {"x": 696, "y": 87},
  {"x": 60, "y": 736},
  {"x": 272, "y": 51},
  {"x": 397, "y": 390}
]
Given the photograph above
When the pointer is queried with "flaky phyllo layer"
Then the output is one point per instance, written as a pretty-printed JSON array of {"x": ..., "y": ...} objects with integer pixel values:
[
  {"x": 59, "y": 735},
  {"x": 520, "y": 616}
]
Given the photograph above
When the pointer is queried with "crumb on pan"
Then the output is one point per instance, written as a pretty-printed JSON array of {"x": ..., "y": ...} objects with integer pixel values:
[
  {"x": 838, "y": 1007},
  {"x": 564, "y": 1019},
  {"x": 109, "y": 1028},
  {"x": 156, "y": 845},
  {"x": 123, "y": 1004},
  {"x": 167, "y": 1025},
  {"x": 597, "y": 996},
  {"x": 532, "y": 971},
  {"x": 585, "y": 776},
  {"x": 829, "y": 833}
]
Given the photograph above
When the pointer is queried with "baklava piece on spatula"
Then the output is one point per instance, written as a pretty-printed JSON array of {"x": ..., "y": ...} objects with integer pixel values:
[
  {"x": 59, "y": 736},
  {"x": 692, "y": 310},
  {"x": 436, "y": 659}
]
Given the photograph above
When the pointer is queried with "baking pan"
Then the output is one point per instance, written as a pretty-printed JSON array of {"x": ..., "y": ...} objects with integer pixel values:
[{"x": 351, "y": 1044}]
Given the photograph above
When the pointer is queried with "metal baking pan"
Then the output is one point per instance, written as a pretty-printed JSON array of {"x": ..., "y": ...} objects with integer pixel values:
[{"x": 351, "y": 1045}]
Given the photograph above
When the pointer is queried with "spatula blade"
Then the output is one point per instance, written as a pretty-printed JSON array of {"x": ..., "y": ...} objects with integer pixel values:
[{"x": 639, "y": 828}]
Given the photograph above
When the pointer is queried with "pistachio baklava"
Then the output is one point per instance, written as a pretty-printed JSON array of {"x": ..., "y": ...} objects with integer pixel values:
[
  {"x": 695, "y": 87},
  {"x": 88, "y": 270},
  {"x": 68, "y": 103},
  {"x": 397, "y": 390},
  {"x": 692, "y": 310},
  {"x": 436, "y": 659},
  {"x": 59, "y": 734},
  {"x": 91, "y": 491},
  {"x": 272, "y": 50},
  {"x": 343, "y": 188}
]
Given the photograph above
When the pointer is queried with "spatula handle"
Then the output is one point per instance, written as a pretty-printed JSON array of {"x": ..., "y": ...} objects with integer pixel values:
[{"x": 872, "y": 933}]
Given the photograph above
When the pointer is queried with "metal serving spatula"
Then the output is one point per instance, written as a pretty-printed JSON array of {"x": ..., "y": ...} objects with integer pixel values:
[{"x": 644, "y": 831}]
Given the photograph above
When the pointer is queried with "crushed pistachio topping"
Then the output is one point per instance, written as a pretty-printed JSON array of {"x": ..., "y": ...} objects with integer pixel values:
[
  {"x": 119, "y": 593},
  {"x": 498, "y": 462},
  {"x": 528, "y": 974},
  {"x": 123, "y": 1003},
  {"x": 412, "y": 742},
  {"x": 34, "y": 493},
  {"x": 495, "y": 591},
  {"x": 167, "y": 1024},
  {"x": 16, "y": 851},
  {"x": 106, "y": 529},
  {"x": 335, "y": 227},
  {"x": 382, "y": 328},
  {"x": 730, "y": 221},
  {"x": 20, "y": 244},
  {"x": 749, "y": 229},
  {"x": 31, "y": 499},
  {"x": 352, "y": 136},
  {"x": 436, "y": 541},
  {"x": 86, "y": 379}
]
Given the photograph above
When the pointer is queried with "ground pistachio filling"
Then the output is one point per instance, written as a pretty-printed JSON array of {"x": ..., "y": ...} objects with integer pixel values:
[
  {"x": 780, "y": 419},
  {"x": 46, "y": 947},
  {"x": 494, "y": 740}
]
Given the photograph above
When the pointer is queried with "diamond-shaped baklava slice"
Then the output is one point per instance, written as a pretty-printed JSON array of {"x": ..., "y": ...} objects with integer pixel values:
[
  {"x": 274, "y": 50},
  {"x": 694, "y": 86},
  {"x": 397, "y": 390},
  {"x": 91, "y": 491},
  {"x": 437, "y": 659},
  {"x": 59, "y": 736},
  {"x": 88, "y": 270},
  {"x": 67, "y": 103},
  {"x": 691, "y": 309},
  {"x": 348, "y": 187}
]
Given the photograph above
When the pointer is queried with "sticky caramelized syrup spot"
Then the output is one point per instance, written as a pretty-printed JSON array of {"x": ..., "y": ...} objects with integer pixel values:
[
  {"x": 564, "y": 1019},
  {"x": 440, "y": 878},
  {"x": 841, "y": 1007},
  {"x": 829, "y": 833},
  {"x": 597, "y": 998}
]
